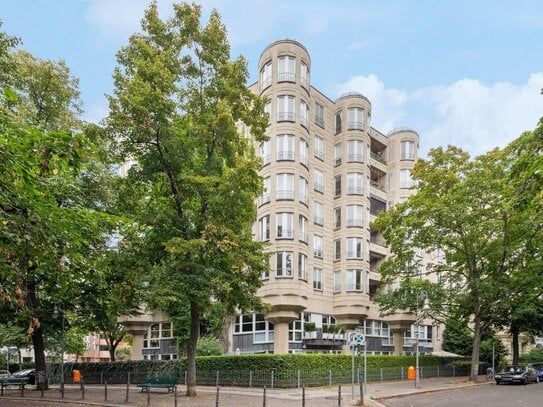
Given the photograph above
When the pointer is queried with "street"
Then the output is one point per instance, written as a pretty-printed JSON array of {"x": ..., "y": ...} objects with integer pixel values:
[{"x": 483, "y": 396}]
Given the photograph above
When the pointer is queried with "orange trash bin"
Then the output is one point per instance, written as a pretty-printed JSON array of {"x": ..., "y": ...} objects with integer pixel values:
[
  {"x": 411, "y": 373},
  {"x": 76, "y": 376}
]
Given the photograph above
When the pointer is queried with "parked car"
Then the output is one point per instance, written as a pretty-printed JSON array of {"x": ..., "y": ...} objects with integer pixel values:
[
  {"x": 4, "y": 374},
  {"x": 523, "y": 374},
  {"x": 539, "y": 369},
  {"x": 30, "y": 373}
]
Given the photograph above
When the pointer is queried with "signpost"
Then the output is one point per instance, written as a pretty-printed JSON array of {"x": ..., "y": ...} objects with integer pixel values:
[{"x": 357, "y": 340}]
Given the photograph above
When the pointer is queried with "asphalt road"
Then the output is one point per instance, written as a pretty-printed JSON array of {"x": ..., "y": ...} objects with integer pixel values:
[{"x": 530, "y": 395}]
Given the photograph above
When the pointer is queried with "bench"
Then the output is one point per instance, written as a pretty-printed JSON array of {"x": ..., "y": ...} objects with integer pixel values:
[
  {"x": 21, "y": 382},
  {"x": 159, "y": 382}
]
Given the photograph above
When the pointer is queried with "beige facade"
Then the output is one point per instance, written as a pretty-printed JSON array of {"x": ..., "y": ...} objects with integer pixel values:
[{"x": 327, "y": 174}]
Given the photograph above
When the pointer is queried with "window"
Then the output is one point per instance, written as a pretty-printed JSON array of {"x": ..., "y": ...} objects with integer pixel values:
[
  {"x": 355, "y": 151},
  {"x": 338, "y": 122},
  {"x": 156, "y": 332},
  {"x": 318, "y": 213},
  {"x": 255, "y": 324},
  {"x": 354, "y": 215},
  {"x": 303, "y": 190},
  {"x": 264, "y": 228},
  {"x": 302, "y": 266},
  {"x": 265, "y": 196},
  {"x": 319, "y": 114},
  {"x": 337, "y": 185},
  {"x": 407, "y": 150},
  {"x": 266, "y": 273},
  {"x": 317, "y": 245},
  {"x": 337, "y": 154},
  {"x": 295, "y": 330},
  {"x": 354, "y": 248},
  {"x": 304, "y": 75},
  {"x": 405, "y": 179},
  {"x": 283, "y": 264},
  {"x": 354, "y": 280},
  {"x": 337, "y": 281},
  {"x": 303, "y": 228},
  {"x": 317, "y": 278},
  {"x": 337, "y": 249},
  {"x": 284, "y": 225},
  {"x": 318, "y": 180},
  {"x": 355, "y": 118},
  {"x": 285, "y": 147},
  {"x": 265, "y": 152},
  {"x": 285, "y": 108},
  {"x": 268, "y": 110},
  {"x": 285, "y": 186},
  {"x": 266, "y": 76},
  {"x": 304, "y": 152},
  {"x": 286, "y": 66},
  {"x": 303, "y": 113},
  {"x": 355, "y": 183},
  {"x": 319, "y": 148},
  {"x": 337, "y": 218}
]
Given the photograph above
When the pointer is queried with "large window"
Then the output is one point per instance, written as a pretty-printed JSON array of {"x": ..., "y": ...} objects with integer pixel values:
[
  {"x": 302, "y": 266},
  {"x": 354, "y": 247},
  {"x": 266, "y": 76},
  {"x": 338, "y": 122},
  {"x": 354, "y": 280},
  {"x": 265, "y": 196},
  {"x": 285, "y": 147},
  {"x": 264, "y": 228},
  {"x": 303, "y": 190},
  {"x": 318, "y": 213},
  {"x": 285, "y": 108},
  {"x": 265, "y": 152},
  {"x": 319, "y": 147},
  {"x": 284, "y": 225},
  {"x": 378, "y": 328},
  {"x": 355, "y": 183},
  {"x": 303, "y": 228},
  {"x": 317, "y": 245},
  {"x": 318, "y": 180},
  {"x": 304, "y": 75},
  {"x": 355, "y": 118},
  {"x": 303, "y": 113},
  {"x": 354, "y": 215},
  {"x": 319, "y": 114},
  {"x": 405, "y": 178},
  {"x": 255, "y": 324},
  {"x": 304, "y": 152},
  {"x": 286, "y": 66},
  {"x": 355, "y": 151},
  {"x": 283, "y": 264},
  {"x": 317, "y": 278},
  {"x": 285, "y": 186},
  {"x": 156, "y": 332},
  {"x": 407, "y": 150}
]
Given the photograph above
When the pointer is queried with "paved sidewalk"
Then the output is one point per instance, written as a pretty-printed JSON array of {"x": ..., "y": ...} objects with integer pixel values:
[{"x": 95, "y": 395}]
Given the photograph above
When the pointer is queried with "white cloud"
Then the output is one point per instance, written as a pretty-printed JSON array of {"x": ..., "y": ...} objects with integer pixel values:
[
  {"x": 116, "y": 20},
  {"x": 467, "y": 113}
]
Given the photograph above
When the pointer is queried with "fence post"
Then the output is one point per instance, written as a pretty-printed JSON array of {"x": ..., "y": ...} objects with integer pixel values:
[
  {"x": 250, "y": 378},
  {"x": 420, "y": 374},
  {"x": 438, "y": 371},
  {"x": 303, "y": 396},
  {"x": 82, "y": 389},
  {"x": 105, "y": 390},
  {"x": 401, "y": 369},
  {"x": 272, "y": 379},
  {"x": 339, "y": 396},
  {"x": 127, "y": 391},
  {"x": 329, "y": 377},
  {"x": 101, "y": 377},
  {"x": 298, "y": 376},
  {"x": 175, "y": 396},
  {"x": 381, "y": 374},
  {"x": 453, "y": 371},
  {"x": 128, "y": 379},
  {"x": 217, "y": 378},
  {"x": 217, "y": 398},
  {"x": 264, "y": 398},
  {"x": 148, "y": 398},
  {"x": 186, "y": 377}
]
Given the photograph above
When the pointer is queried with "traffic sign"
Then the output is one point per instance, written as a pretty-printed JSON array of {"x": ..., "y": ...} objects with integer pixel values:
[{"x": 357, "y": 339}]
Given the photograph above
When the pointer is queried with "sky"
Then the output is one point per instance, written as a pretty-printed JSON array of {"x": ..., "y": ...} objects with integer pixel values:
[{"x": 467, "y": 73}]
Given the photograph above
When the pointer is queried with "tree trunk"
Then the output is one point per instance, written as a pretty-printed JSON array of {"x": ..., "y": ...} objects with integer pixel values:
[
  {"x": 191, "y": 348},
  {"x": 474, "y": 374},
  {"x": 515, "y": 332},
  {"x": 39, "y": 356},
  {"x": 224, "y": 334},
  {"x": 112, "y": 349}
]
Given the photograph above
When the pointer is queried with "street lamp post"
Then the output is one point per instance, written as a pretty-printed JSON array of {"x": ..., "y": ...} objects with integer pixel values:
[{"x": 59, "y": 311}]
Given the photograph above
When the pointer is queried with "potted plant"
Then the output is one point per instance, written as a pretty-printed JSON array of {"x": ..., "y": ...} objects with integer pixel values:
[
  {"x": 327, "y": 331},
  {"x": 310, "y": 330},
  {"x": 340, "y": 332}
]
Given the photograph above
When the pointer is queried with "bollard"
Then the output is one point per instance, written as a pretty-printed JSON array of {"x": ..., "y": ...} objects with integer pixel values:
[
  {"x": 217, "y": 378},
  {"x": 22, "y": 390},
  {"x": 127, "y": 392},
  {"x": 381, "y": 374},
  {"x": 175, "y": 396},
  {"x": 298, "y": 378},
  {"x": 250, "y": 378},
  {"x": 42, "y": 390},
  {"x": 264, "y": 398},
  {"x": 303, "y": 396},
  {"x": 217, "y": 398},
  {"x": 402, "y": 372},
  {"x": 186, "y": 373},
  {"x": 339, "y": 396},
  {"x": 105, "y": 390},
  {"x": 148, "y": 397},
  {"x": 82, "y": 389},
  {"x": 101, "y": 377},
  {"x": 272, "y": 379},
  {"x": 330, "y": 377}
]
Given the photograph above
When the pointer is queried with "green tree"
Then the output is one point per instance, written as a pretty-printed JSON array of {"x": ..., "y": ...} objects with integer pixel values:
[
  {"x": 462, "y": 207},
  {"x": 457, "y": 337},
  {"x": 180, "y": 110}
]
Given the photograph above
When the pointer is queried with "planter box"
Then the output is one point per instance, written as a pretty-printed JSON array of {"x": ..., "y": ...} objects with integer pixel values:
[{"x": 310, "y": 335}]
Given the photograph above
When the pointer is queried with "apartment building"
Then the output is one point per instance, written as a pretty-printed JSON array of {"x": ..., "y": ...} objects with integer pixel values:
[{"x": 327, "y": 174}]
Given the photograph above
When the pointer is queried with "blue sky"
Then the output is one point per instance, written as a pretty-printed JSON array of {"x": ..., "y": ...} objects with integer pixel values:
[{"x": 467, "y": 73}]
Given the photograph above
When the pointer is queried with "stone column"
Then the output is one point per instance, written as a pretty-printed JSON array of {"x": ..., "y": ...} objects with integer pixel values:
[
  {"x": 137, "y": 344},
  {"x": 280, "y": 337},
  {"x": 397, "y": 339}
]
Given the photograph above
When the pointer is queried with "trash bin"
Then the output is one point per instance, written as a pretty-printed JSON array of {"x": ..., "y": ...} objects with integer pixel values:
[
  {"x": 76, "y": 376},
  {"x": 411, "y": 373}
]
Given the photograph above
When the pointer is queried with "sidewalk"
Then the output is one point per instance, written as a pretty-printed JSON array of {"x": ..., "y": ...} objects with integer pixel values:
[{"x": 95, "y": 395}]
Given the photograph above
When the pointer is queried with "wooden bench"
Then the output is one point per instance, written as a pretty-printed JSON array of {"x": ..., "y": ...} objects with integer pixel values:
[
  {"x": 20, "y": 382},
  {"x": 159, "y": 382}
]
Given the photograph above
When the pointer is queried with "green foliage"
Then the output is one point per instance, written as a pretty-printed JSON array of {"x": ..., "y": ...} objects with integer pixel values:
[
  {"x": 457, "y": 337},
  {"x": 309, "y": 326},
  {"x": 535, "y": 355},
  {"x": 208, "y": 346},
  {"x": 500, "y": 352}
]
